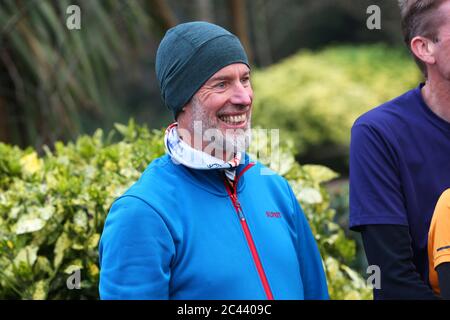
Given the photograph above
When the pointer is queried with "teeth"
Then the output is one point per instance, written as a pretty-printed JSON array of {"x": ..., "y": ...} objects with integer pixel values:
[{"x": 233, "y": 119}]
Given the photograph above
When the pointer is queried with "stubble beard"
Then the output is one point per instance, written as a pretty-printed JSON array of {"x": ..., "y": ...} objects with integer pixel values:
[{"x": 213, "y": 140}]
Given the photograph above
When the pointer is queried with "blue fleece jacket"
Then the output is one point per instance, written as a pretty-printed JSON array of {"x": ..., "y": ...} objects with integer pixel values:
[{"x": 179, "y": 233}]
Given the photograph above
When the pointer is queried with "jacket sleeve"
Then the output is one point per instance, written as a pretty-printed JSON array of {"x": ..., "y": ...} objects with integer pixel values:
[
  {"x": 389, "y": 247},
  {"x": 311, "y": 266},
  {"x": 443, "y": 271},
  {"x": 135, "y": 252}
]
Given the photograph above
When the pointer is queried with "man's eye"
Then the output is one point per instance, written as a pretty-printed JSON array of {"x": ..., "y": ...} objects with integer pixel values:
[
  {"x": 221, "y": 85},
  {"x": 245, "y": 80}
]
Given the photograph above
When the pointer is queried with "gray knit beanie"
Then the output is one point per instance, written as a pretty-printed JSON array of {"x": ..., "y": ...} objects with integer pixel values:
[{"x": 188, "y": 55}]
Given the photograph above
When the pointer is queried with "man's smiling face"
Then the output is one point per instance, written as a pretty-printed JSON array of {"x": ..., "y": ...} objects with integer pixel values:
[{"x": 224, "y": 105}]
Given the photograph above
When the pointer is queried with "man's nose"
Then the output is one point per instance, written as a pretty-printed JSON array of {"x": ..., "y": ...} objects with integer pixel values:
[{"x": 242, "y": 95}]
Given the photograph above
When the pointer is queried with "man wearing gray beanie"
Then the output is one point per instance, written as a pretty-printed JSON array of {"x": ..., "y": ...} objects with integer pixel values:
[{"x": 205, "y": 221}]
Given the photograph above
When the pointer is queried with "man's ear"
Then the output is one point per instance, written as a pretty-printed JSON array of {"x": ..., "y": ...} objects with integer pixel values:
[{"x": 423, "y": 49}]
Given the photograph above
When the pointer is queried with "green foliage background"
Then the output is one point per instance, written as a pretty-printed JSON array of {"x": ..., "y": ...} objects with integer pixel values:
[
  {"x": 59, "y": 83},
  {"x": 53, "y": 204},
  {"x": 315, "y": 97},
  {"x": 52, "y": 211}
]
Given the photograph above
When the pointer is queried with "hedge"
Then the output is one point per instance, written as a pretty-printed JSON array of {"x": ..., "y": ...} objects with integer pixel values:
[
  {"x": 316, "y": 96},
  {"x": 53, "y": 206}
]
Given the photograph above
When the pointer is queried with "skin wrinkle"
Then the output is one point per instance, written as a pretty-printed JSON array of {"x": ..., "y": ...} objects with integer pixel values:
[{"x": 227, "y": 92}]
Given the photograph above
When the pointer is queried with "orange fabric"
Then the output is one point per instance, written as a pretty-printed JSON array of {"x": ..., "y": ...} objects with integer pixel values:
[{"x": 439, "y": 238}]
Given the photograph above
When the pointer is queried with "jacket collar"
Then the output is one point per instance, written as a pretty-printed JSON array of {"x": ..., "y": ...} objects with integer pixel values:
[{"x": 212, "y": 180}]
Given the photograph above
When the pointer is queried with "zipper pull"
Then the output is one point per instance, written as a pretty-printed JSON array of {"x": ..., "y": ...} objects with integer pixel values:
[{"x": 238, "y": 206}]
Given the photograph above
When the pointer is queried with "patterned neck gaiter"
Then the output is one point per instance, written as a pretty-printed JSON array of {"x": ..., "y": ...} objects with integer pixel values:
[{"x": 183, "y": 153}]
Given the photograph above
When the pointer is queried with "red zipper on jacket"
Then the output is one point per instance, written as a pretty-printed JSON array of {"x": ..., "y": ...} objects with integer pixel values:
[{"x": 248, "y": 235}]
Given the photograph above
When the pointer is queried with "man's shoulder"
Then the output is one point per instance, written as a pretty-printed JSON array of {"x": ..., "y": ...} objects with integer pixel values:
[
  {"x": 390, "y": 113},
  {"x": 159, "y": 175},
  {"x": 157, "y": 167}
]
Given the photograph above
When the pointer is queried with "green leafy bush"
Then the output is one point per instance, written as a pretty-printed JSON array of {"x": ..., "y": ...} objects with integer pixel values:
[
  {"x": 52, "y": 211},
  {"x": 315, "y": 97}
]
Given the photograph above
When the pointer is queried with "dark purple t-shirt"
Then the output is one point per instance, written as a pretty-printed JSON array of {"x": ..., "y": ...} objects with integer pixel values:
[{"x": 399, "y": 166}]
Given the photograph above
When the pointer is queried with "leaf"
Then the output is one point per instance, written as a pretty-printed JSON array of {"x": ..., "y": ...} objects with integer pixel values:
[
  {"x": 282, "y": 162},
  {"x": 123, "y": 129},
  {"x": 14, "y": 212},
  {"x": 332, "y": 267},
  {"x": 310, "y": 196},
  {"x": 27, "y": 255},
  {"x": 354, "y": 276},
  {"x": 77, "y": 246},
  {"x": 31, "y": 163},
  {"x": 43, "y": 265},
  {"x": 40, "y": 290},
  {"x": 80, "y": 221},
  {"x": 74, "y": 266},
  {"x": 93, "y": 269},
  {"x": 46, "y": 212},
  {"x": 28, "y": 223},
  {"x": 61, "y": 245},
  {"x": 93, "y": 241},
  {"x": 319, "y": 173}
]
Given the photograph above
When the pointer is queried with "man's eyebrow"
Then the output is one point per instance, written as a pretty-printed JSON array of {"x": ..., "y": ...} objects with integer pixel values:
[
  {"x": 219, "y": 78},
  {"x": 222, "y": 78}
]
